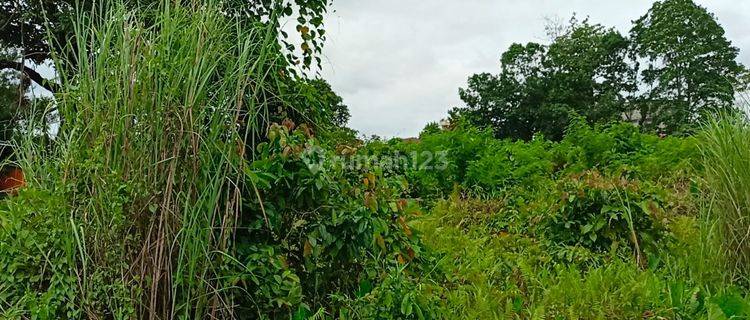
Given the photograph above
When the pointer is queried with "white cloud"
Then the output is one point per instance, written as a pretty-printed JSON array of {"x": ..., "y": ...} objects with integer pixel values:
[{"x": 398, "y": 64}]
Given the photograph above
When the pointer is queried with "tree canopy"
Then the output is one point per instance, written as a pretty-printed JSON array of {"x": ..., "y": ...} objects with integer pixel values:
[
  {"x": 664, "y": 76},
  {"x": 690, "y": 66}
]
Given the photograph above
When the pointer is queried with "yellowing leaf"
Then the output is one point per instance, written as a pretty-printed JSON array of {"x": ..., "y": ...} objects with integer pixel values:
[
  {"x": 402, "y": 204},
  {"x": 307, "y": 251},
  {"x": 370, "y": 201},
  {"x": 403, "y": 224},
  {"x": 371, "y": 177},
  {"x": 380, "y": 241},
  {"x": 400, "y": 258},
  {"x": 411, "y": 253},
  {"x": 393, "y": 206}
]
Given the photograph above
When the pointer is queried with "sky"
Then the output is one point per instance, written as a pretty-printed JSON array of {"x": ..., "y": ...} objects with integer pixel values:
[{"x": 398, "y": 64}]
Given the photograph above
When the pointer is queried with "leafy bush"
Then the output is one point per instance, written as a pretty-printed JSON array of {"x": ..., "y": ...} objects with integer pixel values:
[
  {"x": 315, "y": 226},
  {"x": 482, "y": 272},
  {"x": 398, "y": 296},
  {"x": 37, "y": 258},
  {"x": 441, "y": 161},
  {"x": 507, "y": 164},
  {"x": 622, "y": 147},
  {"x": 600, "y": 212},
  {"x": 479, "y": 163}
]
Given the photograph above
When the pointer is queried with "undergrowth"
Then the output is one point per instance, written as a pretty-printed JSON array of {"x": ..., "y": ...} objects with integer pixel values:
[
  {"x": 190, "y": 178},
  {"x": 609, "y": 223}
]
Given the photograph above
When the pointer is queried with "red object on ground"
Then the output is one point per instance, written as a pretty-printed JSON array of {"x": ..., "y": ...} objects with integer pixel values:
[{"x": 11, "y": 180}]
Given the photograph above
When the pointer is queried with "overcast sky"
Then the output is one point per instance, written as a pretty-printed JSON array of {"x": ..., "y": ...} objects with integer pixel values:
[{"x": 398, "y": 64}]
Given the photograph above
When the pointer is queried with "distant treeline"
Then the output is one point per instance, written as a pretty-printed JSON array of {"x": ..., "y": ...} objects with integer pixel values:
[{"x": 674, "y": 68}]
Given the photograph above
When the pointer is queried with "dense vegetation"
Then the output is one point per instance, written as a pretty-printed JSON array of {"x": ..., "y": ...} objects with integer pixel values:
[
  {"x": 674, "y": 70},
  {"x": 195, "y": 172}
]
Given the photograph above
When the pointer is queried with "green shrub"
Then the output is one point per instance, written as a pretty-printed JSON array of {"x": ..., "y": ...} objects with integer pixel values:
[
  {"x": 615, "y": 291},
  {"x": 397, "y": 296},
  {"x": 509, "y": 164},
  {"x": 481, "y": 272},
  {"x": 440, "y": 161},
  {"x": 622, "y": 147},
  {"x": 600, "y": 213},
  {"x": 620, "y": 290},
  {"x": 485, "y": 166},
  {"x": 316, "y": 227},
  {"x": 38, "y": 258}
]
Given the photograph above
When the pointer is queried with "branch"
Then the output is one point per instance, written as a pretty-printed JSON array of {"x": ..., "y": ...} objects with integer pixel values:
[{"x": 31, "y": 73}]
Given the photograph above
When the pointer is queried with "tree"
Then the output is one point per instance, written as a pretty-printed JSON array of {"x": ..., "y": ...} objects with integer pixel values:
[
  {"x": 8, "y": 105},
  {"x": 743, "y": 94},
  {"x": 333, "y": 111},
  {"x": 583, "y": 71},
  {"x": 675, "y": 68},
  {"x": 510, "y": 102},
  {"x": 690, "y": 66},
  {"x": 589, "y": 72}
]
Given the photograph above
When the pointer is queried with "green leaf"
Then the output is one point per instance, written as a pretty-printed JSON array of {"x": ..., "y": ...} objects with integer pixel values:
[
  {"x": 406, "y": 305},
  {"x": 586, "y": 228}
]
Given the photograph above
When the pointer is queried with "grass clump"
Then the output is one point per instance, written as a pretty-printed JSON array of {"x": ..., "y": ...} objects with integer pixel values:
[
  {"x": 141, "y": 187},
  {"x": 725, "y": 147}
]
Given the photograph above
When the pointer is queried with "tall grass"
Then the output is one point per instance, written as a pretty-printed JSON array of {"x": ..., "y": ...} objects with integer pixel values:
[
  {"x": 725, "y": 146},
  {"x": 158, "y": 106}
]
